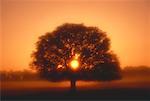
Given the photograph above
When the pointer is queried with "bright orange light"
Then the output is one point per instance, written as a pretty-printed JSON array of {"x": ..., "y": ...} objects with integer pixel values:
[
  {"x": 74, "y": 64},
  {"x": 76, "y": 56}
]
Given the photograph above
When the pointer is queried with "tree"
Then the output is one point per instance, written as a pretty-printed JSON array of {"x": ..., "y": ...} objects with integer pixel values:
[{"x": 75, "y": 51}]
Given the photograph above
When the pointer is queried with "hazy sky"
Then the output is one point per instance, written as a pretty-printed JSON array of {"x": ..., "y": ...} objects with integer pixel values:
[{"x": 127, "y": 23}]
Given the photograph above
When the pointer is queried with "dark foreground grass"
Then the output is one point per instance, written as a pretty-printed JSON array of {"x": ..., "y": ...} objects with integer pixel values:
[
  {"x": 44, "y": 90},
  {"x": 105, "y": 94}
]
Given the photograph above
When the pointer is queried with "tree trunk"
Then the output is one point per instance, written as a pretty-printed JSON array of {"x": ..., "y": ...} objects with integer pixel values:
[{"x": 73, "y": 84}]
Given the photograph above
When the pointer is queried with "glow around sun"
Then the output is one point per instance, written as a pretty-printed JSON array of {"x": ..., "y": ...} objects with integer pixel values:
[{"x": 74, "y": 64}]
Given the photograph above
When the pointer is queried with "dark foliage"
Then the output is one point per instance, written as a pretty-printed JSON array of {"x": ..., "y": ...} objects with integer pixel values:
[{"x": 54, "y": 51}]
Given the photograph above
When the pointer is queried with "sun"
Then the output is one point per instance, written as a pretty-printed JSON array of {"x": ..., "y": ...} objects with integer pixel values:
[{"x": 74, "y": 64}]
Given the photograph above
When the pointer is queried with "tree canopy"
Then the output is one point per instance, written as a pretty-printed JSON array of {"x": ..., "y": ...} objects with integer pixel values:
[{"x": 89, "y": 44}]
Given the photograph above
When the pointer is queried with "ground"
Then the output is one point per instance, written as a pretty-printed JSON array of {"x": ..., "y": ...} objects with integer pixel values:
[{"x": 127, "y": 88}]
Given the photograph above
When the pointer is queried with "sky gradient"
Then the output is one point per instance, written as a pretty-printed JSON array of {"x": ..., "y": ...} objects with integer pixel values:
[{"x": 126, "y": 22}]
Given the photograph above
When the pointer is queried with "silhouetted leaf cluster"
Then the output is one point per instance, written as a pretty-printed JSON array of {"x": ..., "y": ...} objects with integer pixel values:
[{"x": 54, "y": 50}]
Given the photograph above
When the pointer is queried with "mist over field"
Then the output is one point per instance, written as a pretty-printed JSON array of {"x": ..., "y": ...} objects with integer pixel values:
[{"x": 26, "y": 85}]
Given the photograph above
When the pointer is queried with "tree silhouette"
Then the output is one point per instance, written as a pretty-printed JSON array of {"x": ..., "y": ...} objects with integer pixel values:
[{"x": 90, "y": 47}]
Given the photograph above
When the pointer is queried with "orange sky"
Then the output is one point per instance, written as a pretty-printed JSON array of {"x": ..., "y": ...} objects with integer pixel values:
[{"x": 127, "y": 23}]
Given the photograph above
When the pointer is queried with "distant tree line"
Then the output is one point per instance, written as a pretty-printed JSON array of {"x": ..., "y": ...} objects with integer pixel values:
[
  {"x": 18, "y": 75},
  {"x": 136, "y": 71},
  {"x": 28, "y": 75}
]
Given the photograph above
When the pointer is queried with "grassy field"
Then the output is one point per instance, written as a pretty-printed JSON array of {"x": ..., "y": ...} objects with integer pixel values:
[{"x": 128, "y": 88}]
